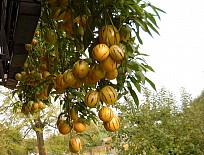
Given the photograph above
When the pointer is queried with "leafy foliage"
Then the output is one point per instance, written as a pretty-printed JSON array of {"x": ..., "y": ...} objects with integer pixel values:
[
  {"x": 160, "y": 127},
  {"x": 61, "y": 63}
]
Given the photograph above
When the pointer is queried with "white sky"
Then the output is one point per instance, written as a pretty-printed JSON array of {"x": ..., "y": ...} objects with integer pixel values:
[{"x": 177, "y": 55}]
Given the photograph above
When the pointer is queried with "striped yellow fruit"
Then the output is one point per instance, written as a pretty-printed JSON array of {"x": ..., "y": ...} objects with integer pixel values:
[
  {"x": 100, "y": 52},
  {"x": 64, "y": 127},
  {"x": 105, "y": 114},
  {"x": 109, "y": 64},
  {"x": 116, "y": 52},
  {"x": 79, "y": 126},
  {"x": 75, "y": 145},
  {"x": 80, "y": 68},
  {"x": 97, "y": 72},
  {"x": 108, "y": 95},
  {"x": 68, "y": 77},
  {"x": 91, "y": 99},
  {"x": 112, "y": 125},
  {"x": 109, "y": 35},
  {"x": 112, "y": 75}
]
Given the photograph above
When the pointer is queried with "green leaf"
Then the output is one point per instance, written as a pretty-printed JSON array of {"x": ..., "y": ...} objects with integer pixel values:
[
  {"x": 151, "y": 83},
  {"x": 148, "y": 67},
  {"x": 136, "y": 84},
  {"x": 133, "y": 65},
  {"x": 151, "y": 18},
  {"x": 138, "y": 37},
  {"x": 155, "y": 10},
  {"x": 133, "y": 94},
  {"x": 153, "y": 28}
]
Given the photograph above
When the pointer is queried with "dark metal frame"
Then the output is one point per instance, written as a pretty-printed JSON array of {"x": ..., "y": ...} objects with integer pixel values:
[{"x": 18, "y": 20}]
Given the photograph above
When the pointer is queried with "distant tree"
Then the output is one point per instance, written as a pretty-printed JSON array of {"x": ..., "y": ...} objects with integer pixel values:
[
  {"x": 11, "y": 140},
  {"x": 159, "y": 126}
]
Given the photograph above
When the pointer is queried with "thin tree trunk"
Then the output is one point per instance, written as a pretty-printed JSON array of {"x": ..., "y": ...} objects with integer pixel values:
[
  {"x": 40, "y": 141},
  {"x": 39, "y": 133}
]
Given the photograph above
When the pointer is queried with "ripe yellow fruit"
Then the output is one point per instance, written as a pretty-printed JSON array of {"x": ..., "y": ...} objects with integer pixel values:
[
  {"x": 112, "y": 125},
  {"x": 91, "y": 99},
  {"x": 97, "y": 73},
  {"x": 109, "y": 35},
  {"x": 77, "y": 84},
  {"x": 80, "y": 68},
  {"x": 69, "y": 77},
  {"x": 101, "y": 52},
  {"x": 18, "y": 76},
  {"x": 108, "y": 95},
  {"x": 116, "y": 52},
  {"x": 108, "y": 64},
  {"x": 59, "y": 82},
  {"x": 64, "y": 127},
  {"x": 79, "y": 126},
  {"x": 105, "y": 114},
  {"x": 34, "y": 42},
  {"x": 112, "y": 75},
  {"x": 75, "y": 145}
]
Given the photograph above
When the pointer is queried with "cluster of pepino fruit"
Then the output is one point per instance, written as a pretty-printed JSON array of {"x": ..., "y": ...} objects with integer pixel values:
[
  {"x": 47, "y": 77},
  {"x": 108, "y": 95},
  {"x": 65, "y": 127}
]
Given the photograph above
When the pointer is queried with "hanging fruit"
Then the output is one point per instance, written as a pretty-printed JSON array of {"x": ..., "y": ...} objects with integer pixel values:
[
  {"x": 109, "y": 35},
  {"x": 112, "y": 125},
  {"x": 75, "y": 145},
  {"x": 108, "y": 95},
  {"x": 109, "y": 64},
  {"x": 101, "y": 52},
  {"x": 80, "y": 68},
  {"x": 91, "y": 99},
  {"x": 64, "y": 127},
  {"x": 105, "y": 114},
  {"x": 116, "y": 52},
  {"x": 79, "y": 126}
]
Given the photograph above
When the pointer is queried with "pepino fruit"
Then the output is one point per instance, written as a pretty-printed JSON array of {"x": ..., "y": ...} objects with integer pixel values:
[
  {"x": 97, "y": 73},
  {"x": 75, "y": 145},
  {"x": 116, "y": 52},
  {"x": 80, "y": 68},
  {"x": 64, "y": 127},
  {"x": 109, "y": 35},
  {"x": 79, "y": 126},
  {"x": 112, "y": 75},
  {"x": 91, "y": 99},
  {"x": 68, "y": 77},
  {"x": 50, "y": 36},
  {"x": 108, "y": 95},
  {"x": 112, "y": 125},
  {"x": 101, "y": 52},
  {"x": 18, "y": 76},
  {"x": 59, "y": 82},
  {"x": 105, "y": 114},
  {"x": 109, "y": 64}
]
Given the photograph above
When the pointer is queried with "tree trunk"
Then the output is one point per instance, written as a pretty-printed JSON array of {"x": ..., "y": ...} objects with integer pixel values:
[
  {"x": 40, "y": 141},
  {"x": 39, "y": 133}
]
